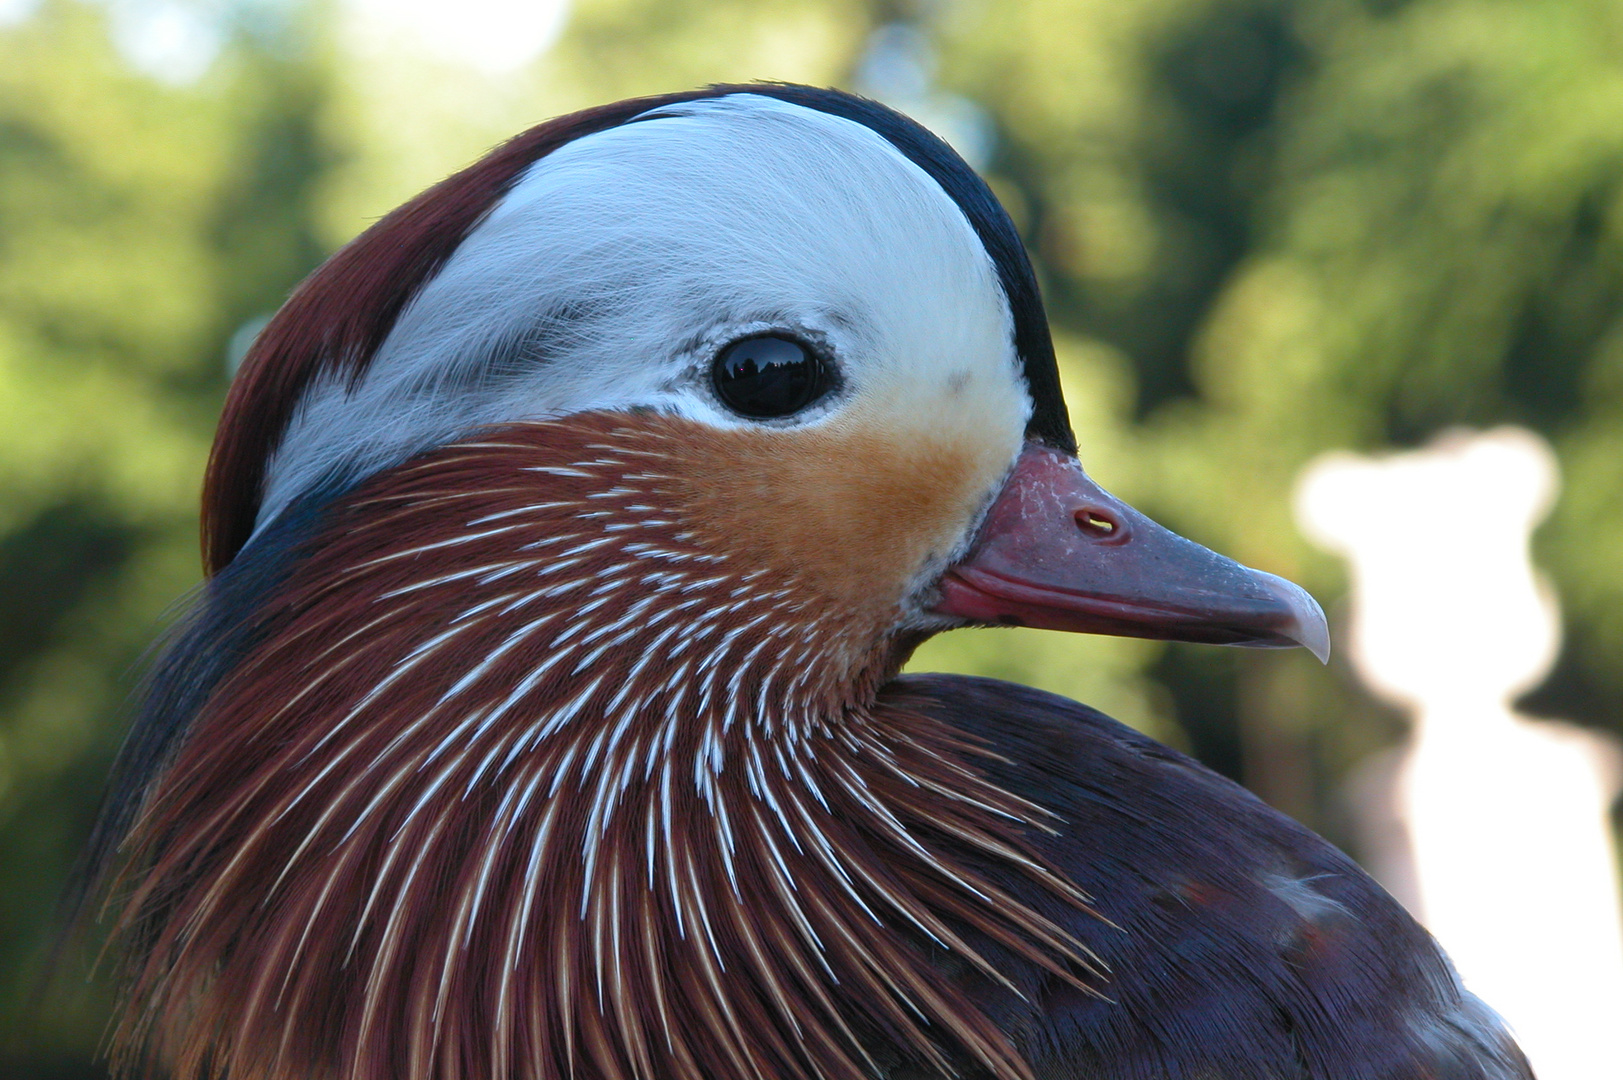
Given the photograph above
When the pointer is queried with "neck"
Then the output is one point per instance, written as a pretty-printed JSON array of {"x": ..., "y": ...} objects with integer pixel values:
[{"x": 532, "y": 772}]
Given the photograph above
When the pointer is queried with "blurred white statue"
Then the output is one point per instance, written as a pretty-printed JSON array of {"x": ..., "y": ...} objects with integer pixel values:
[{"x": 1495, "y": 827}]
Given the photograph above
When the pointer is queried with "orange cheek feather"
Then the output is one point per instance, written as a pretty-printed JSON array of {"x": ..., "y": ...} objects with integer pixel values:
[{"x": 853, "y": 512}]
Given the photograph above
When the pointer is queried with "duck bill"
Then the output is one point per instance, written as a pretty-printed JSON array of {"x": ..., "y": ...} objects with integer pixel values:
[{"x": 1057, "y": 551}]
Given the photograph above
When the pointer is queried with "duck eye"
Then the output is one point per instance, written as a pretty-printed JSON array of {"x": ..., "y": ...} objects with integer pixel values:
[{"x": 767, "y": 376}]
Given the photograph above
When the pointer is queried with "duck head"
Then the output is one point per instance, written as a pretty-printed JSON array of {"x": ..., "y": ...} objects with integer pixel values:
[{"x": 817, "y": 291}]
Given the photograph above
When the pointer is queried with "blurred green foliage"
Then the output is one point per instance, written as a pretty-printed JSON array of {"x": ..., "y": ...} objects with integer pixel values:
[{"x": 1265, "y": 228}]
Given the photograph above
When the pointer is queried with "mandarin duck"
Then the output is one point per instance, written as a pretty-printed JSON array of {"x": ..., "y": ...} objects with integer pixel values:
[{"x": 541, "y": 715}]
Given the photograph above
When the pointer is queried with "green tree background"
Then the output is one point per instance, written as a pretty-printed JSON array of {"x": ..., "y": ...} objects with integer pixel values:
[{"x": 1265, "y": 228}]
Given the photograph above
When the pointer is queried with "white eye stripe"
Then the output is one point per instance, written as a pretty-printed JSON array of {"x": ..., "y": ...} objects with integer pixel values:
[{"x": 661, "y": 241}]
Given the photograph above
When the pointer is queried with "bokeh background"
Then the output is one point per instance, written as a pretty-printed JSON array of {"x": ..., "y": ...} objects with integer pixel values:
[{"x": 1264, "y": 228}]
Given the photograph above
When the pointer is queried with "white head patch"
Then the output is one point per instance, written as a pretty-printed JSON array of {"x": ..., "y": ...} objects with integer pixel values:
[{"x": 618, "y": 265}]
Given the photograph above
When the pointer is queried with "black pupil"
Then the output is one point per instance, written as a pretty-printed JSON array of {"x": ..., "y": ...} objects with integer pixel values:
[{"x": 768, "y": 376}]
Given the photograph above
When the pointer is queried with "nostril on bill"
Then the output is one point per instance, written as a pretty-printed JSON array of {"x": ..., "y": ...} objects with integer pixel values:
[{"x": 1098, "y": 524}]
